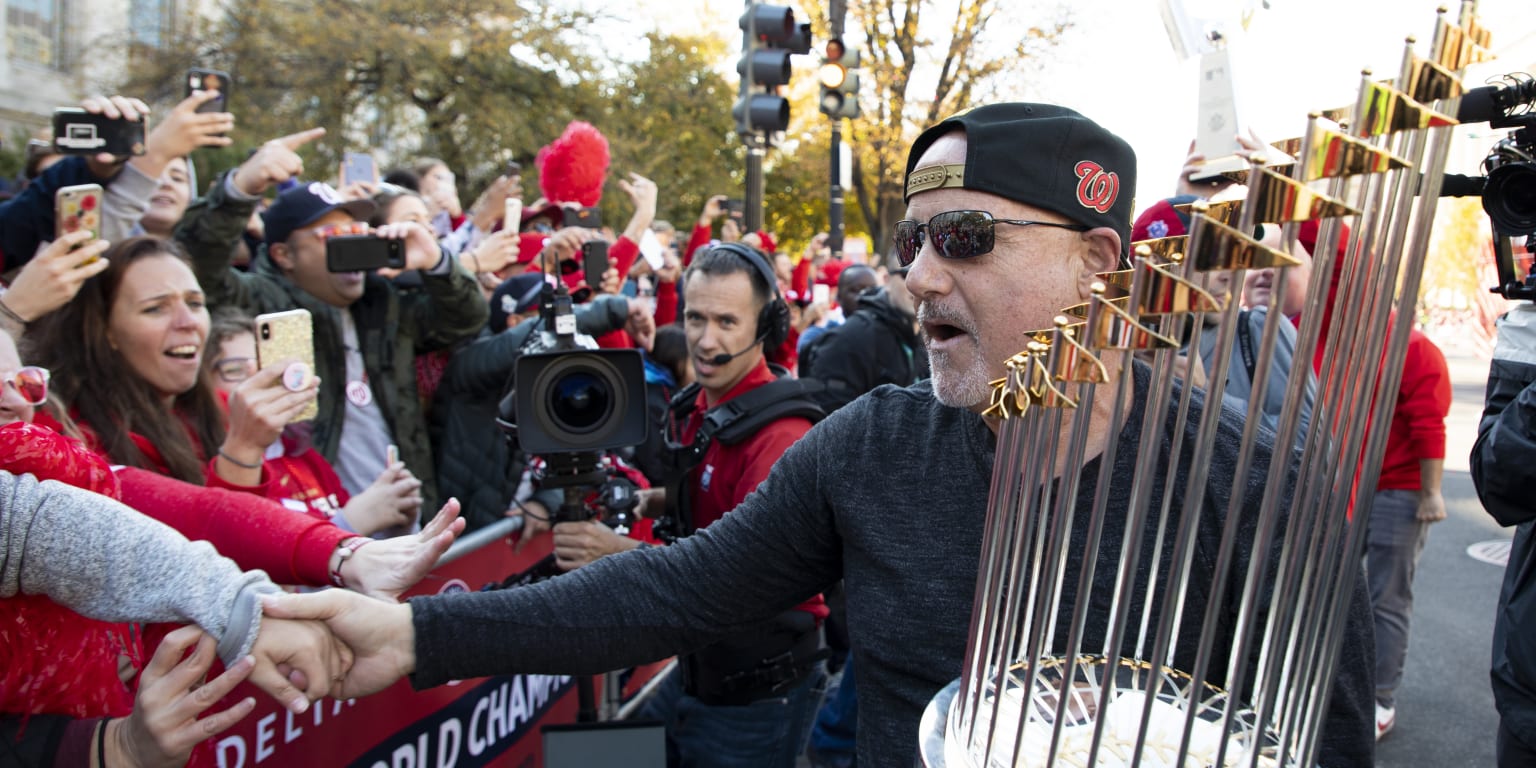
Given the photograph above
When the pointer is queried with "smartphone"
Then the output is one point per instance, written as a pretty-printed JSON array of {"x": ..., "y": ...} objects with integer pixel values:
[
  {"x": 590, "y": 218},
  {"x": 358, "y": 166},
  {"x": 78, "y": 132},
  {"x": 288, "y": 336},
  {"x": 363, "y": 253},
  {"x": 391, "y": 455},
  {"x": 513, "y": 219},
  {"x": 735, "y": 208},
  {"x": 514, "y": 169},
  {"x": 77, "y": 208},
  {"x": 594, "y": 261},
  {"x": 820, "y": 292},
  {"x": 210, "y": 80}
]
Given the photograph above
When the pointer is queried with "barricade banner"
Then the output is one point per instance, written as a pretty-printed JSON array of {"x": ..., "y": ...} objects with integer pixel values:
[{"x": 492, "y": 721}]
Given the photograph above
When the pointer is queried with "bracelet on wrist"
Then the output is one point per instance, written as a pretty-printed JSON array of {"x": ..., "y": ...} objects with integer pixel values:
[
  {"x": 6, "y": 310},
  {"x": 238, "y": 462},
  {"x": 101, "y": 742},
  {"x": 345, "y": 550}
]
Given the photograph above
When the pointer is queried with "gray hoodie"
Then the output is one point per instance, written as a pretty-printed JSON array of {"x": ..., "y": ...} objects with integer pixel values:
[{"x": 103, "y": 560}]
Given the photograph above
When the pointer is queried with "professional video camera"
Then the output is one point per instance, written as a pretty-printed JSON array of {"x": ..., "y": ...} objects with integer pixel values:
[
  {"x": 570, "y": 403},
  {"x": 1508, "y": 186}
]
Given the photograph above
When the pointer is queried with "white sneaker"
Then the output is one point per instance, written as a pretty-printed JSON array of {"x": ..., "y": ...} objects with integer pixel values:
[{"x": 1386, "y": 717}]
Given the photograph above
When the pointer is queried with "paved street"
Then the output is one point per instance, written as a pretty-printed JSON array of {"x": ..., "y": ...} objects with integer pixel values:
[{"x": 1445, "y": 714}]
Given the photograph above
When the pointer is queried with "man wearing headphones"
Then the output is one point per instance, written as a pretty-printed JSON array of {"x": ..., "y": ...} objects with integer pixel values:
[{"x": 750, "y": 699}]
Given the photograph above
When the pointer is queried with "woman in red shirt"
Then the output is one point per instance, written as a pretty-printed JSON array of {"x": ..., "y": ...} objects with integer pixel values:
[{"x": 292, "y": 472}]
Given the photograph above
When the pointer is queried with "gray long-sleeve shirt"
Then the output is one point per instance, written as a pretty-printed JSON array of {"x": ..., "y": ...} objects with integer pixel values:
[
  {"x": 890, "y": 494},
  {"x": 102, "y": 559}
]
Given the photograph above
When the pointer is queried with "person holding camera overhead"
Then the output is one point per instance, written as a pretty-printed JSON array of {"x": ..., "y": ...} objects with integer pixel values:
[{"x": 367, "y": 332}]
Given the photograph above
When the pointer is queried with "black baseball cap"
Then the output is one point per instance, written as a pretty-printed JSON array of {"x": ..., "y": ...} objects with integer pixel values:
[
  {"x": 1037, "y": 154},
  {"x": 306, "y": 204}
]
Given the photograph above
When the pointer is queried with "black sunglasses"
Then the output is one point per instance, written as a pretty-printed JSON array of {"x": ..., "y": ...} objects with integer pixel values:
[{"x": 958, "y": 234}]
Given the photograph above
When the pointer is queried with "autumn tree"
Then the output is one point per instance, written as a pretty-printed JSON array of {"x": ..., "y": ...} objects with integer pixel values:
[
  {"x": 473, "y": 82},
  {"x": 983, "y": 46},
  {"x": 667, "y": 117}
]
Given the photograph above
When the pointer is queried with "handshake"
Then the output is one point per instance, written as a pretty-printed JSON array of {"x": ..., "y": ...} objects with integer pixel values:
[{"x": 335, "y": 643}]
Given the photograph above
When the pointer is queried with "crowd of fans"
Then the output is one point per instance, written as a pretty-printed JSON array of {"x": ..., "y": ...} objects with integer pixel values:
[
  {"x": 134, "y": 369},
  {"x": 134, "y": 374}
]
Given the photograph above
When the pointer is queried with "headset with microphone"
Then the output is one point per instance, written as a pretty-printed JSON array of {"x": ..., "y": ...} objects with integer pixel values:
[{"x": 773, "y": 320}]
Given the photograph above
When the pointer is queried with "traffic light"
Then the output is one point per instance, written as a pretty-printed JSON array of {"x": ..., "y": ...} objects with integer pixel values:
[
  {"x": 769, "y": 35},
  {"x": 839, "y": 75}
]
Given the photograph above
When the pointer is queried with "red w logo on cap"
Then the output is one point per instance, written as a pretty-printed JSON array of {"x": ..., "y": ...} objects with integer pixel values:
[{"x": 1097, "y": 188}]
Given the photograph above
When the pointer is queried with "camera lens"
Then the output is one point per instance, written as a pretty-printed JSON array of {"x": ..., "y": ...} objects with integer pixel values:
[
  {"x": 583, "y": 400},
  {"x": 1509, "y": 197},
  {"x": 580, "y": 401},
  {"x": 266, "y": 332}
]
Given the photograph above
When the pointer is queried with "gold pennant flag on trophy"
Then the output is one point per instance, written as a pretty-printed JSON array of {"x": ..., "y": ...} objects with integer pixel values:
[
  {"x": 1388, "y": 110},
  {"x": 1165, "y": 293},
  {"x": 1117, "y": 329},
  {"x": 1042, "y": 385},
  {"x": 1282, "y": 199},
  {"x": 1456, "y": 47},
  {"x": 1074, "y": 362},
  {"x": 1226, "y": 211},
  {"x": 1427, "y": 81},
  {"x": 997, "y": 407},
  {"x": 1335, "y": 154},
  {"x": 1161, "y": 249},
  {"x": 1222, "y": 247}
]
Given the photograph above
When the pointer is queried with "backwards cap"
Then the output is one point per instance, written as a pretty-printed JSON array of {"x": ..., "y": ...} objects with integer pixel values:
[{"x": 1038, "y": 154}]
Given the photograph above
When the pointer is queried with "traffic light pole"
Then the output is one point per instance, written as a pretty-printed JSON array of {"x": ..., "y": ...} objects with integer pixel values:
[
  {"x": 835, "y": 202},
  {"x": 836, "y": 11},
  {"x": 757, "y": 147}
]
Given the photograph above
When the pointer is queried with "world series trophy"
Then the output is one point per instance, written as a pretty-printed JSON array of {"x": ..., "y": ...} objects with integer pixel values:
[{"x": 1181, "y": 624}]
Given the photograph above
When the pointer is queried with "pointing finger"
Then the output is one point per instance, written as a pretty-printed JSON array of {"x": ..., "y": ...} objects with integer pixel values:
[{"x": 296, "y": 140}]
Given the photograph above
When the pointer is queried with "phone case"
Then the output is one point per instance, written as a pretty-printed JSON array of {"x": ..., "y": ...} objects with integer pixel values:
[
  {"x": 288, "y": 336},
  {"x": 363, "y": 253},
  {"x": 210, "y": 80},
  {"x": 594, "y": 262},
  {"x": 356, "y": 166},
  {"x": 78, "y": 132},
  {"x": 77, "y": 208}
]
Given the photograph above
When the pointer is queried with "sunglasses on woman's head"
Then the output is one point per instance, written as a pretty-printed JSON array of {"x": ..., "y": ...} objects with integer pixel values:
[
  {"x": 958, "y": 234},
  {"x": 31, "y": 383}
]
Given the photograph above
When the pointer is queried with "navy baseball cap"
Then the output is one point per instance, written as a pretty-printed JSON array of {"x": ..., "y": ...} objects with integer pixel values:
[
  {"x": 306, "y": 204},
  {"x": 517, "y": 295},
  {"x": 1037, "y": 154}
]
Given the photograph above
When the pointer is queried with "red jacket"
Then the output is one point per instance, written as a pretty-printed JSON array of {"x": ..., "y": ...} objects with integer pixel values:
[
  {"x": 699, "y": 238},
  {"x": 729, "y": 473},
  {"x": 253, "y": 531},
  {"x": 1418, "y": 419}
]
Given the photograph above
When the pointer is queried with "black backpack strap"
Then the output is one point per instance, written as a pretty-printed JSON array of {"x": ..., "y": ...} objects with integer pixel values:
[
  {"x": 740, "y": 418},
  {"x": 730, "y": 423}
]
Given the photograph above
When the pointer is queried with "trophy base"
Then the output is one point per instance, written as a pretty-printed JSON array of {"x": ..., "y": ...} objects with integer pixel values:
[{"x": 1016, "y": 730}]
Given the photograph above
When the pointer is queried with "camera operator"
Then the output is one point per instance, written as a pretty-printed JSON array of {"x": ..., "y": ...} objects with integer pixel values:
[
  {"x": 482, "y": 470},
  {"x": 735, "y": 701},
  {"x": 1503, "y": 470}
]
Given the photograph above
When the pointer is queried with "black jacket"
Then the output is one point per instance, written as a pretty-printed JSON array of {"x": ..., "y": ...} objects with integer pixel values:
[
  {"x": 876, "y": 345},
  {"x": 476, "y": 464},
  {"x": 1504, "y": 472}
]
